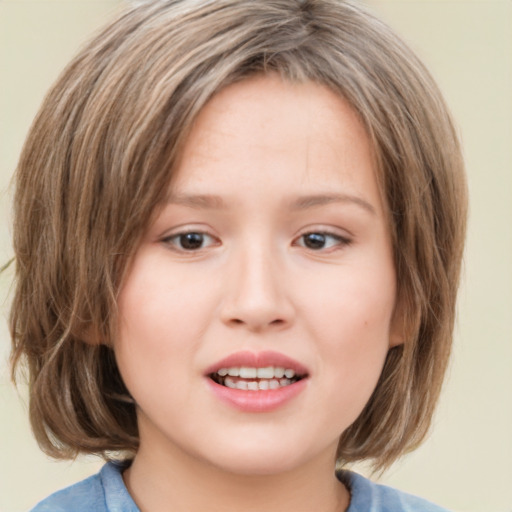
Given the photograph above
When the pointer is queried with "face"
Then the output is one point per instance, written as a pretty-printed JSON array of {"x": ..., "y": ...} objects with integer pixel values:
[{"x": 257, "y": 314}]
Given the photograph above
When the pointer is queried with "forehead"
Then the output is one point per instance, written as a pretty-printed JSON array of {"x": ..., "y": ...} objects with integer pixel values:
[{"x": 290, "y": 138}]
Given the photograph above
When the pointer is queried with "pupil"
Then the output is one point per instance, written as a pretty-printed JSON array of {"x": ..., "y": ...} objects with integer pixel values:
[
  {"x": 191, "y": 240},
  {"x": 314, "y": 240}
]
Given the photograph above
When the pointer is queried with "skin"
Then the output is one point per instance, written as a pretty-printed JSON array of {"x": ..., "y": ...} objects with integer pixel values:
[{"x": 256, "y": 283}]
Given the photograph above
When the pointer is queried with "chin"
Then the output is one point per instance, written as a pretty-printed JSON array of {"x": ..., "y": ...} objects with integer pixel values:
[
  {"x": 259, "y": 466},
  {"x": 260, "y": 458}
]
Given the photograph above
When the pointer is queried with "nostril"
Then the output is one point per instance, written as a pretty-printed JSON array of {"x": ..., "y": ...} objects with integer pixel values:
[{"x": 275, "y": 322}]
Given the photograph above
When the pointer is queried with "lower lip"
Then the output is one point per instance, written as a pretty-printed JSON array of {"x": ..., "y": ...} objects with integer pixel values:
[{"x": 257, "y": 401}]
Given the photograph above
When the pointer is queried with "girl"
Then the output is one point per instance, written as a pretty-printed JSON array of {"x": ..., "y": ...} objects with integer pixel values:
[{"x": 238, "y": 234}]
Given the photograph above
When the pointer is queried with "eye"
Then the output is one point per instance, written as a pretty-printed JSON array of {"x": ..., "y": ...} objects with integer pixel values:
[
  {"x": 189, "y": 241},
  {"x": 318, "y": 241}
]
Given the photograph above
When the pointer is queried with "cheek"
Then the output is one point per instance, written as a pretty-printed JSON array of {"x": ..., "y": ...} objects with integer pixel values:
[
  {"x": 351, "y": 303},
  {"x": 351, "y": 324},
  {"x": 159, "y": 306},
  {"x": 153, "y": 350},
  {"x": 157, "y": 319}
]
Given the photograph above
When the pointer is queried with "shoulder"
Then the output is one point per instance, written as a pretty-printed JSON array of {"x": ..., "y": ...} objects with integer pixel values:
[
  {"x": 85, "y": 495},
  {"x": 367, "y": 496},
  {"x": 103, "y": 492}
]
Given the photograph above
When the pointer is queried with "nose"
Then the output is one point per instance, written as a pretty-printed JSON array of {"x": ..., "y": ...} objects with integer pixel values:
[{"x": 257, "y": 295}]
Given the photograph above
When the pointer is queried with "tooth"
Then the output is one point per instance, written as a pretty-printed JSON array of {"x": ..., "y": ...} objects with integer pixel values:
[
  {"x": 241, "y": 384},
  {"x": 252, "y": 385},
  {"x": 263, "y": 384},
  {"x": 222, "y": 372},
  {"x": 289, "y": 374},
  {"x": 233, "y": 372},
  {"x": 230, "y": 383},
  {"x": 266, "y": 373},
  {"x": 248, "y": 373},
  {"x": 285, "y": 382},
  {"x": 278, "y": 372},
  {"x": 273, "y": 384}
]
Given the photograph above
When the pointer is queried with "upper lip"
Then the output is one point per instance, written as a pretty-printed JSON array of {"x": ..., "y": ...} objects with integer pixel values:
[{"x": 258, "y": 360}]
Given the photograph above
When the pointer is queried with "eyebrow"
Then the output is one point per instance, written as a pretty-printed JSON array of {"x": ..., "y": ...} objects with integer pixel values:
[
  {"x": 202, "y": 201},
  {"x": 306, "y": 202},
  {"x": 210, "y": 201}
]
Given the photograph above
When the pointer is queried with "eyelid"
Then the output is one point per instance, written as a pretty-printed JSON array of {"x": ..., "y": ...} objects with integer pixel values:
[
  {"x": 344, "y": 240},
  {"x": 167, "y": 239}
]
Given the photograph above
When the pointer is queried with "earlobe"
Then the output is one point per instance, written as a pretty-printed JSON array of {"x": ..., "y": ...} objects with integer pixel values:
[
  {"x": 402, "y": 325},
  {"x": 396, "y": 338},
  {"x": 91, "y": 336}
]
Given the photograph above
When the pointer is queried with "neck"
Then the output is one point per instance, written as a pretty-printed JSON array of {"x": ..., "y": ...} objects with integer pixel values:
[{"x": 166, "y": 482}]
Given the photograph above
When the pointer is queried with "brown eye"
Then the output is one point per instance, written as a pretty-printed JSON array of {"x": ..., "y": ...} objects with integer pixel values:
[
  {"x": 316, "y": 241},
  {"x": 190, "y": 241}
]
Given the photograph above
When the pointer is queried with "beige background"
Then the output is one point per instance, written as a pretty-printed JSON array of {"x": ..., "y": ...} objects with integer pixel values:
[{"x": 466, "y": 463}]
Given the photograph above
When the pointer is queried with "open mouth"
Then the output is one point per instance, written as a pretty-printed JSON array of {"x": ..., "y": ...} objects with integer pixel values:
[{"x": 249, "y": 378}]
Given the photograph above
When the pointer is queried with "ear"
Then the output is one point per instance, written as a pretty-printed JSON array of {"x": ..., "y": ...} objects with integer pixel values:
[
  {"x": 91, "y": 335},
  {"x": 396, "y": 339},
  {"x": 400, "y": 329}
]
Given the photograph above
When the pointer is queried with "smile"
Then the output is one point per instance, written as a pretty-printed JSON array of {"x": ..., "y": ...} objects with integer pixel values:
[
  {"x": 255, "y": 379},
  {"x": 257, "y": 382}
]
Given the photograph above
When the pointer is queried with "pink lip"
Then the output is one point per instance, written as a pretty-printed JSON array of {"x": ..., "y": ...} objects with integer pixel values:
[
  {"x": 262, "y": 400},
  {"x": 258, "y": 360}
]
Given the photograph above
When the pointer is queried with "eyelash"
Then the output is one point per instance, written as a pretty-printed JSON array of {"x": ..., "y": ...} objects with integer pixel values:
[
  {"x": 340, "y": 241},
  {"x": 173, "y": 240}
]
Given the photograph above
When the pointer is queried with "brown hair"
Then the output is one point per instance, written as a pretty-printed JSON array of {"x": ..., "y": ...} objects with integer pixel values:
[{"x": 96, "y": 165}]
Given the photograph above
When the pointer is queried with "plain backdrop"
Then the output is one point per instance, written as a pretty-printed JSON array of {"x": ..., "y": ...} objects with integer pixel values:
[{"x": 465, "y": 463}]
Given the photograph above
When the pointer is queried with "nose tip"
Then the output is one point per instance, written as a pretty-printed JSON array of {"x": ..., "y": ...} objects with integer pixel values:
[{"x": 257, "y": 297}]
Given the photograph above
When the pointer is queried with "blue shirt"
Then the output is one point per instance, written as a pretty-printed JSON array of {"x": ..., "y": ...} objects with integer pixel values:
[{"x": 106, "y": 492}]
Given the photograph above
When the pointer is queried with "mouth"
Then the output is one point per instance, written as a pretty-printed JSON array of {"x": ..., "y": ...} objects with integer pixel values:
[
  {"x": 252, "y": 378},
  {"x": 257, "y": 382},
  {"x": 261, "y": 371}
]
